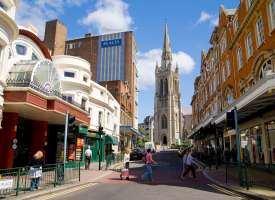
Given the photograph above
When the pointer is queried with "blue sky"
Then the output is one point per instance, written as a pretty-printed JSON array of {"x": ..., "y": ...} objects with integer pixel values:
[{"x": 190, "y": 24}]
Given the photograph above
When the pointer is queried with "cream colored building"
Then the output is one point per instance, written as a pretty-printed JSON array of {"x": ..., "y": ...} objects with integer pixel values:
[
  {"x": 8, "y": 32},
  {"x": 167, "y": 110}
]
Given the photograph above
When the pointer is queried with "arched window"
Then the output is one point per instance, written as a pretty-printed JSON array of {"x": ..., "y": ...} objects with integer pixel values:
[
  {"x": 163, "y": 122},
  {"x": 266, "y": 69},
  {"x": 166, "y": 87},
  {"x": 161, "y": 88}
]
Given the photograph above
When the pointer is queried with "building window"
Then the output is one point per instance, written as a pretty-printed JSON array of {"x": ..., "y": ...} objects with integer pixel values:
[
  {"x": 249, "y": 45},
  {"x": 85, "y": 79},
  {"x": 163, "y": 122},
  {"x": 240, "y": 58},
  {"x": 230, "y": 99},
  {"x": 249, "y": 3},
  {"x": 272, "y": 14},
  {"x": 83, "y": 103},
  {"x": 21, "y": 49},
  {"x": 69, "y": 74},
  {"x": 100, "y": 118},
  {"x": 108, "y": 118},
  {"x": 260, "y": 31},
  {"x": 90, "y": 111},
  {"x": 228, "y": 65},
  {"x": 68, "y": 98},
  {"x": 236, "y": 24}
]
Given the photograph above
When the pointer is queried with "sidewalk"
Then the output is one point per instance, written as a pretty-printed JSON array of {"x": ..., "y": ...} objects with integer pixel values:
[
  {"x": 86, "y": 177},
  {"x": 219, "y": 178}
]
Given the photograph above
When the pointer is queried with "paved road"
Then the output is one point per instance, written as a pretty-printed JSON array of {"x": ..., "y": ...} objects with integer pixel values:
[{"x": 167, "y": 185}]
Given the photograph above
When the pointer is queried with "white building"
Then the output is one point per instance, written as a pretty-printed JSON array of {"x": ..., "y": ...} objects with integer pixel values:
[
  {"x": 78, "y": 87},
  {"x": 147, "y": 127},
  {"x": 8, "y": 32}
]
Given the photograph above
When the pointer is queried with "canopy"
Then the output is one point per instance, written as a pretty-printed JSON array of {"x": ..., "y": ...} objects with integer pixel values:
[
  {"x": 109, "y": 139},
  {"x": 128, "y": 129}
]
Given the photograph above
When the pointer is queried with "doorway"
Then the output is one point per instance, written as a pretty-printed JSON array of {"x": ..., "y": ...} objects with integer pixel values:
[{"x": 164, "y": 140}]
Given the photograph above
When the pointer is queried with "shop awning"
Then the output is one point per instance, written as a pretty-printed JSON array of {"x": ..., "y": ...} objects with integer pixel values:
[
  {"x": 109, "y": 139},
  {"x": 125, "y": 129}
]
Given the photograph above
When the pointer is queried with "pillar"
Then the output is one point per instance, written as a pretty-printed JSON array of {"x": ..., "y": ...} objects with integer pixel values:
[
  {"x": 7, "y": 134},
  {"x": 39, "y": 137}
]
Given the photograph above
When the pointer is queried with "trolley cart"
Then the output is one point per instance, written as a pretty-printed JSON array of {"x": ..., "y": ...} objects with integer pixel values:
[{"x": 124, "y": 174}]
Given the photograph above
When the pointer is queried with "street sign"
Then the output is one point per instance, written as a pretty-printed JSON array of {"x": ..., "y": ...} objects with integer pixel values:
[{"x": 6, "y": 184}]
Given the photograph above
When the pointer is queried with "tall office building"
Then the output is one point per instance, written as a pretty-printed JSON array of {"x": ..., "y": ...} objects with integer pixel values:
[{"x": 113, "y": 62}]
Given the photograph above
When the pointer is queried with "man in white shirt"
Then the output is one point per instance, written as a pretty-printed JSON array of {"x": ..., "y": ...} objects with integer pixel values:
[{"x": 88, "y": 157}]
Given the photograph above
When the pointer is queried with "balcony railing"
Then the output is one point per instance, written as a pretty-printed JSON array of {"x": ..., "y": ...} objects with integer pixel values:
[{"x": 39, "y": 87}]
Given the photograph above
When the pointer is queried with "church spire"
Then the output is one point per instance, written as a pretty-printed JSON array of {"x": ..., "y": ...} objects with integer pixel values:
[{"x": 166, "y": 51}]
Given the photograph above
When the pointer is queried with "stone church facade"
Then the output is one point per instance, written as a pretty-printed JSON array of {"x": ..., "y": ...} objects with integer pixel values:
[{"x": 167, "y": 107}]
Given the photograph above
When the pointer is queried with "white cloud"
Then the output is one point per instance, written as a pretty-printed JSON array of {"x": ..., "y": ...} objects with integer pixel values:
[
  {"x": 39, "y": 11},
  {"x": 207, "y": 17},
  {"x": 109, "y": 16},
  {"x": 146, "y": 63}
]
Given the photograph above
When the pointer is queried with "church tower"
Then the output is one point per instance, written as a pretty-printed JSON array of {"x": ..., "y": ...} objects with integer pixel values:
[{"x": 167, "y": 107}]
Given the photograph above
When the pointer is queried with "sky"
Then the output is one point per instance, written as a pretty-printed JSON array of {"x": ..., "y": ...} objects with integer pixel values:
[{"x": 190, "y": 24}]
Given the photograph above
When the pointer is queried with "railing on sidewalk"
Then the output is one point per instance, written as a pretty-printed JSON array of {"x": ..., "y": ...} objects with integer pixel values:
[{"x": 16, "y": 181}]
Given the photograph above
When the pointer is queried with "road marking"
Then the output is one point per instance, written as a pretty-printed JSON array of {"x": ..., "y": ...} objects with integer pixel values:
[
  {"x": 223, "y": 190},
  {"x": 68, "y": 191}
]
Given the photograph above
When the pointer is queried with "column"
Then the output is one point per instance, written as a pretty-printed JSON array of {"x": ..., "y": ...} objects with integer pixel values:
[
  {"x": 39, "y": 137},
  {"x": 7, "y": 134}
]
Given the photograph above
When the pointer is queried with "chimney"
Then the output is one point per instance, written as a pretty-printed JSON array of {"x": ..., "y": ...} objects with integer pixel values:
[{"x": 88, "y": 35}]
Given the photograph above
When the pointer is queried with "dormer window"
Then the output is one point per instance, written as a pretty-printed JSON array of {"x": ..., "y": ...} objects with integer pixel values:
[{"x": 21, "y": 49}]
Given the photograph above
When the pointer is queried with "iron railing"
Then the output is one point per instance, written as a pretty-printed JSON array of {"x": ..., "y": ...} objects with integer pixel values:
[
  {"x": 16, "y": 181},
  {"x": 37, "y": 86}
]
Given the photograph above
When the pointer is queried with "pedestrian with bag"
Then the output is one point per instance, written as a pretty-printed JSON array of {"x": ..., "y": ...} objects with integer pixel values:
[
  {"x": 148, "y": 174},
  {"x": 35, "y": 171},
  {"x": 190, "y": 165},
  {"x": 88, "y": 157}
]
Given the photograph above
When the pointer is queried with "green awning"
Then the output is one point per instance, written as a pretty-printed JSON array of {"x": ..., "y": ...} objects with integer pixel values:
[{"x": 109, "y": 139}]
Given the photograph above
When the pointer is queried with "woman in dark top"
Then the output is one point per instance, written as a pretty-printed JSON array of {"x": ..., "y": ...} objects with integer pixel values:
[{"x": 36, "y": 169}]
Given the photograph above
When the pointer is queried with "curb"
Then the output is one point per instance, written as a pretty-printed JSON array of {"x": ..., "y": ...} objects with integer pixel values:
[
  {"x": 57, "y": 189},
  {"x": 250, "y": 195}
]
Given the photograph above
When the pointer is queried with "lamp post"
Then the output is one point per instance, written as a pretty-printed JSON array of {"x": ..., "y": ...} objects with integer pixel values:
[{"x": 100, "y": 132}]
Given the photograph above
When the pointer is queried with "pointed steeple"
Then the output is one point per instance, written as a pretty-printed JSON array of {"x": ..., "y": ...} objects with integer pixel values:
[{"x": 166, "y": 51}]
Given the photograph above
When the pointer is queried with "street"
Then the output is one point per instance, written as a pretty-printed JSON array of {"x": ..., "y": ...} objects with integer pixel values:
[{"x": 167, "y": 185}]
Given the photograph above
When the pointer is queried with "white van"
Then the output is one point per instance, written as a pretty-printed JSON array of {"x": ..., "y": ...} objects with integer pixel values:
[{"x": 149, "y": 145}]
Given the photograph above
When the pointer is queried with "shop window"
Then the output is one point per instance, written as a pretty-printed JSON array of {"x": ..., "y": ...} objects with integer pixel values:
[
  {"x": 21, "y": 49},
  {"x": 256, "y": 149},
  {"x": 270, "y": 126},
  {"x": 272, "y": 14},
  {"x": 260, "y": 31},
  {"x": 69, "y": 74}
]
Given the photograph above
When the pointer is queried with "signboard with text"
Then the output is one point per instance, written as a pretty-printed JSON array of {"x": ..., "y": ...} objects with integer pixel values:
[{"x": 111, "y": 43}]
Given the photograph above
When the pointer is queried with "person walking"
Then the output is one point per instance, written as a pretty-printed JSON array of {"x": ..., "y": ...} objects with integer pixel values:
[
  {"x": 184, "y": 159},
  {"x": 88, "y": 157},
  {"x": 36, "y": 169},
  {"x": 148, "y": 174},
  {"x": 190, "y": 165}
]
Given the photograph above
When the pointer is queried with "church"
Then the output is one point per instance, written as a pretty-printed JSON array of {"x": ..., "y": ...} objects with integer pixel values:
[{"x": 167, "y": 106}]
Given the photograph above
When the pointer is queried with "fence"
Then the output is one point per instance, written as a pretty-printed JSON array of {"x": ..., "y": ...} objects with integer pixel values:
[
  {"x": 250, "y": 175},
  {"x": 16, "y": 181}
]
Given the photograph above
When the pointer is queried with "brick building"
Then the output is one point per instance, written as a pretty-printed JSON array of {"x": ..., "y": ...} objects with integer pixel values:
[
  {"x": 112, "y": 59},
  {"x": 238, "y": 72}
]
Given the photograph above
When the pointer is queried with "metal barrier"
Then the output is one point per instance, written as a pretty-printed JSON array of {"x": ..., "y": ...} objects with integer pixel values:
[{"x": 15, "y": 181}]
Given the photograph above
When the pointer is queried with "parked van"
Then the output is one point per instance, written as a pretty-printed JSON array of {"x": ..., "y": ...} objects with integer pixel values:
[{"x": 149, "y": 145}]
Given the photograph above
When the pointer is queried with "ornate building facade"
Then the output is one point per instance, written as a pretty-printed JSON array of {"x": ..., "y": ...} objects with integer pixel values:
[
  {"x": 167, "y": 107},
  {"x": 238, "y": 72}
]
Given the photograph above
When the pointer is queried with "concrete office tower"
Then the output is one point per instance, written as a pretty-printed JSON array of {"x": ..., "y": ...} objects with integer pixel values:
[
  {"x": 167, "y": 122},
  {"x": 55, "y": 37},
  {"x": 112, "y": 58}
]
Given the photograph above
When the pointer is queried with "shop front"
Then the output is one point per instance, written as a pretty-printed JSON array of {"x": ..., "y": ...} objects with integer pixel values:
[{"x": 34, "y": 117}]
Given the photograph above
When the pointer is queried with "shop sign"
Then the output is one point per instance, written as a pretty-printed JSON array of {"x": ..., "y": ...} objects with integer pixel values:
[
  {"x": 80, "y": 142},
  {"x": 6, "y": 184},
  {"x": 82, "y": 130},
  {"x": 111, "y": 43}
]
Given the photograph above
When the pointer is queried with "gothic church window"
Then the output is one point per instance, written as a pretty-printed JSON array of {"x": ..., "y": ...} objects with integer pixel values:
[
  {"x": 163, "y": 122},
  {"x": 165, "y": 87},
  {"x": 161, "y": 88}
]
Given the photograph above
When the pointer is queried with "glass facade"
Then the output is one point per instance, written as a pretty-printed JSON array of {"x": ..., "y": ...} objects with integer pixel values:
[{"x": 110, "y": 65}]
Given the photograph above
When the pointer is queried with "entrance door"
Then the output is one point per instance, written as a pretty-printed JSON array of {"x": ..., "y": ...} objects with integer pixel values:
[{"x": 164, "y": 140}]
